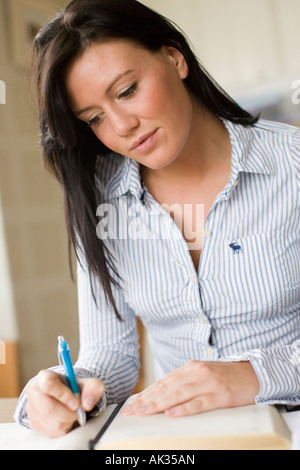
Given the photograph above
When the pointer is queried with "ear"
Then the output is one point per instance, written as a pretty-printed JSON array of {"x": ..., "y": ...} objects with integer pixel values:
[{"x": 178, "y": 60}]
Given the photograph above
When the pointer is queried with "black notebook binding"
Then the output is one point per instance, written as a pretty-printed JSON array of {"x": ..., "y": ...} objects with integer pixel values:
[{"x": 104, "y": 428}]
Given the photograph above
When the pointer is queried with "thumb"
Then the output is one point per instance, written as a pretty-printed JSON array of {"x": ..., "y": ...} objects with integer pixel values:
[{"x": 91, "y": 392}]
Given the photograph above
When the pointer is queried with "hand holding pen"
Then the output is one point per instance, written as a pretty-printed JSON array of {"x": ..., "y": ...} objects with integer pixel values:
[{"x": 52, "y": 407}]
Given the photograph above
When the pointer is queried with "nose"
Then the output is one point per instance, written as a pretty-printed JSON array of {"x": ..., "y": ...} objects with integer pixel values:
[{"x": 123, "y": 123}]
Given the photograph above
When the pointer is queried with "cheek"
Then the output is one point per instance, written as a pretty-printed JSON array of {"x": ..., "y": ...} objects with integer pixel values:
[
  {"x": 155, "y": 103},
  {"x": 168, "y": 102},
  {"x": 159, "y": 102}
]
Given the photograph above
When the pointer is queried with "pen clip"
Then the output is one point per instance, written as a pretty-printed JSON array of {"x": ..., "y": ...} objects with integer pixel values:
[{"x": 62, "y": 345}]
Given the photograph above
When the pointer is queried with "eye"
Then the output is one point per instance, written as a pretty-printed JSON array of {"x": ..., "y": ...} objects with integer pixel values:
[
  {"x": 95, "y": 120},
  {"x": 128, "y": 91}
]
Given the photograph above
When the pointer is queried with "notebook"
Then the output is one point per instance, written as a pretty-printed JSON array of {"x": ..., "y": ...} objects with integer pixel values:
[
  {"x": 252, "y": 427},
  {"x": 13, "y": 436}
]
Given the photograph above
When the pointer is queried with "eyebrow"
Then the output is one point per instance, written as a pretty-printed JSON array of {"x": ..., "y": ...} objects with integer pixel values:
[{"x": 116, "y": 79}]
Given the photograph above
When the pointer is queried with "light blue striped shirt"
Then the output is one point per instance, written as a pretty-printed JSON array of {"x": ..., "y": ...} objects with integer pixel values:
[{"x": 243, "y": 303}]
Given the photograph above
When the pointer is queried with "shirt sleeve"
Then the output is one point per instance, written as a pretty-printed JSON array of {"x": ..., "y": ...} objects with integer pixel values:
[
  {"x": 108, "y": 346},
  {"x": 278, "y": 372},
  {"x": 296, "y": 155}
]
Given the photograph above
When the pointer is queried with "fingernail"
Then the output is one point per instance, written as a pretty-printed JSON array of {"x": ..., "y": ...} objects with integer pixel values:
[
  {"x": 141, "y": 410},
  {"x": 170, "y": 412},
  {"x": 73, "y": 405},
  {"x": 89, "y": 402}
]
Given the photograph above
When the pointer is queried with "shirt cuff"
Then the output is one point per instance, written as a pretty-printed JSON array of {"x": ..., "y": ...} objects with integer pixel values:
[{"x": 278, "y": 372}]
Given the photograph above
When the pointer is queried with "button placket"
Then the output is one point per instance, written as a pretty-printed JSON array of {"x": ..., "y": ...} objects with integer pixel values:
[
  {"x": 207, "y": 233},
  {"x": 210, "y": 353}
]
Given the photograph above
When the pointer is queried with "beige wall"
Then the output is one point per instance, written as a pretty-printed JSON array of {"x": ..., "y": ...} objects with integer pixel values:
[
  {"x": 242, "y": 43},
  {"x": 245, "y": 45},
  {"x": 44, "y": 297}
]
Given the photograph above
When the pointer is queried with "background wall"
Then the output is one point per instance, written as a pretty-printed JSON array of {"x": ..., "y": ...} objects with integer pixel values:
[
  {"x": 44, "y": 298},
  {"x": 250, "y": 47}
]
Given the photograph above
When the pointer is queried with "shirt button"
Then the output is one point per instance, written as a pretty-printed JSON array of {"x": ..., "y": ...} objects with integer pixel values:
[
  {"x": 202, "y": 320},
  {"x": 193, "y": 280},
  {"x": 235, "y": 184},
  {"x": 210, "y": 353},
  {"x": 207, "y": 233}
]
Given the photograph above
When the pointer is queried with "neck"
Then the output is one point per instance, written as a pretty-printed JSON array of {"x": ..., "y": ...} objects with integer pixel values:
[{"x": 207, "y": 150}]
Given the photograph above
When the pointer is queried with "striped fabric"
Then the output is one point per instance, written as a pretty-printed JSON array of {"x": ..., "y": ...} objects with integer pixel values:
[{"x": 243, "y": 303}]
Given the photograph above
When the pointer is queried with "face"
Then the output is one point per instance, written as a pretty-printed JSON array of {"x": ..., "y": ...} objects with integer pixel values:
[{"x": 134, "y": 100}]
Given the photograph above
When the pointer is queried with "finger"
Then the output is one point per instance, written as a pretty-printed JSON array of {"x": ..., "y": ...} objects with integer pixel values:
[
  {"x": 91, "y": 392},
  {"x": 54, "y": 420},
  {"x": 167, "y": 395},
  {"x": 162, "y": 386},
  {"x": 174, "y": 388},
  {"x": 182, "y": 374},
  {"x": 200, "y": 404},
  {"x": 52, "y": 384},
  {"x": 171, "y": 398}
]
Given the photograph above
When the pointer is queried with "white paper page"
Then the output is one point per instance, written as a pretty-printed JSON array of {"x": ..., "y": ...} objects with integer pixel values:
[
  {"x": 246, "y": 420},
  {"x": 16, "y": 437},
  {"x": 292, "y": 419}
]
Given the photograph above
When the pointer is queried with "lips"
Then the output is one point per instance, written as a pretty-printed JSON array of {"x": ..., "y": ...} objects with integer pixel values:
[{"x": 144, "y": 140}]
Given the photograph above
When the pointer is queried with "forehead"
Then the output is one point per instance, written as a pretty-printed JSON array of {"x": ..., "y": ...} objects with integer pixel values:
[
  {"x": 92, "y": 74},
  {"x": 109, "y": 57}
]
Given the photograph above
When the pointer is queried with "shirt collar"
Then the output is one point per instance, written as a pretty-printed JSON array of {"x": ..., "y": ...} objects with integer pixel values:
[
  {"x": 248, "y": 155},
  {"x": 126, "y": 179}
]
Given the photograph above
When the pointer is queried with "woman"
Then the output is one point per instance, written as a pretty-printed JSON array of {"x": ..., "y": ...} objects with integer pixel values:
[{"x": 183, "y": 210}]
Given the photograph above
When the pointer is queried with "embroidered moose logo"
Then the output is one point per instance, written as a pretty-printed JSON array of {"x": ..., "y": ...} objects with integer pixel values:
[{"x": 235, "y": 247}]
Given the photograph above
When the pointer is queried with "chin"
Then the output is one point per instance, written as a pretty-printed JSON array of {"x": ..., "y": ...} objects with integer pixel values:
[{"x": 158, "y": 162}]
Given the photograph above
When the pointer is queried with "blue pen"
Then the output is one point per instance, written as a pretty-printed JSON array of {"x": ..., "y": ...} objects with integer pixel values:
[{"x": 65, "y": 360}]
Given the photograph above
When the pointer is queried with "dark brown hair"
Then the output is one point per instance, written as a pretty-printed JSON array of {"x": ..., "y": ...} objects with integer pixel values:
[{"x": 69, "y": 147}]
